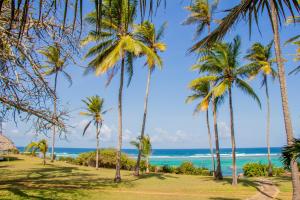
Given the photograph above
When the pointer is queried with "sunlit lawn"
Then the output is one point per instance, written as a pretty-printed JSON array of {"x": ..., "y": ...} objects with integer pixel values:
[{"x": 27, "y": 178}]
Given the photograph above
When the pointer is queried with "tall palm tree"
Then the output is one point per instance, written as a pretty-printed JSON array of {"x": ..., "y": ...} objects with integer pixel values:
[
  {"x": 221, "y": 62},
  {"x": 146, "y": 146},
  {"x": 115, "y": 48},
  {"x": 261, "y": 61},
  {"x": 201, "y": 91},
  {"x": 55, "y": 64},
  {"x": 148, "y": 35},
  {"x": 94, "y": 109},
  {"x": 40, "y": 146},
  {"x": 276, "y": 11},
  {"x": 201, "y": 15}
]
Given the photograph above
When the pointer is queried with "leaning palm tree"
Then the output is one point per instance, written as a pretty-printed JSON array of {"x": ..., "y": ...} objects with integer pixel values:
[
  {"x": 40, "y": 146},
  {"x": 115, "y": 47},
  {"x": 94, "y": 109},
  {"x": 200, "y": 91},
  {"x": 146, "y": 151},
  {"x": 201, "y": 15},
  {"x": 261, "y": 61},
  {"x": 147, "y": 34},
  {"x": 276, "y": 11},
  {"x": 55, "y": 64},
  {"x": 221, "y": 62}
]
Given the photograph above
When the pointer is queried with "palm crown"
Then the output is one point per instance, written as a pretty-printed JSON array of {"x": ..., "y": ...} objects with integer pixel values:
[
  {"x": 55, "y": 62},
  {"x": 222, "y": 64},
  {"x": 94, "y": 109},
  {"x": 261, "y": 61},
  {"x": 148, "y": 35},
  {"x": 115, "y": 40}
]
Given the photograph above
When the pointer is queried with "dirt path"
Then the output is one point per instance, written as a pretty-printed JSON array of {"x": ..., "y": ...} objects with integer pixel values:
[{"x": 266, "y": 190}]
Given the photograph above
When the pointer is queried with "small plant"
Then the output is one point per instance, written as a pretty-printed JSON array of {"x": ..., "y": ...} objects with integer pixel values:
[
  {"x": 259, "y": 169},
  {"x": 40, "y": 146}
]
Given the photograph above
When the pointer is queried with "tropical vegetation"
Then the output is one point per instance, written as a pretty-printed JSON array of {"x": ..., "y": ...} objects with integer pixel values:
[
  {"x": 143, "y": 144},
  {"x": 39, "y": 40},
  {"x": 94, "y": 110},
  {"x": 261, "y": 62},
  {"x": 221, "y": 63},
  {"x": 40, "y": 146}
]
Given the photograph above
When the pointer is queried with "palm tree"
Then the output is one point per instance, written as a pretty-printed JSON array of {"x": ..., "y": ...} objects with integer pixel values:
[
  {"x": 276, "y": 10},
  {"x": 291, "y": 152},
  {"x": 221, "y": 62},
  {"x": 201, "y": 14},
  {"x": 261, "y": 61},
  {"x": 55, "y": 64},
  {"x": 148, "y": 35},
  {"x": 94, "y": 109},
  {"x": 201, "y": 91},
  {"x": 115, "y": 48},
  {"x": 40, "y": 146},
  {"x": 144, "y": 143}
]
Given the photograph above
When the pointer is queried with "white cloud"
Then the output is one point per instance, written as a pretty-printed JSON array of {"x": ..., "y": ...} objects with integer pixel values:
[{"x": 162, "y": 136}]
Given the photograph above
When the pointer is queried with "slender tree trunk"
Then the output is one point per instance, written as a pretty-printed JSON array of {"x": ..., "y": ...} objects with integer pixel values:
[
  {"x": 210, "y": 144},
  {"x": 54, "y": 117},
  {"x": 270, "y": 172},
  {"x": 218, "y": 173},
  {"x": 44, "y": 158},
  {"x": 147, "y": 164},
  {"x": 284, "y": 99},
  {"x": 97, "y": 147},
  {"x": 118, "y": 163},
  {"x": 137, "y": 167},
  {"x": 234, "y": 176}
]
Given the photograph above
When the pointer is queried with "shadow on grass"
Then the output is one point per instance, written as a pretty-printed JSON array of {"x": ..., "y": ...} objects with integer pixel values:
[
  {"x": 223, "y": 198},
  {"x": 55, "y": 182},
  {"x": 160, "y": 176}
]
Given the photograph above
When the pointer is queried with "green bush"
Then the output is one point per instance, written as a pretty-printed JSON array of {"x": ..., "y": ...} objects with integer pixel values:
[
  {"x": 167, "y": 169},
  {"x": 107, "y": 159},
  {"x": 185, "y": 168},
  {"x": 259, "y": 169}
]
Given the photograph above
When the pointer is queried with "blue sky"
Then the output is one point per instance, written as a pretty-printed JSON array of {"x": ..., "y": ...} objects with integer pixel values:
[{"x": 171, "y": 123}]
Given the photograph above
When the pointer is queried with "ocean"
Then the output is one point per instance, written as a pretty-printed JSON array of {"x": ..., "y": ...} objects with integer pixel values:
[{"x": 199, "y": 157}]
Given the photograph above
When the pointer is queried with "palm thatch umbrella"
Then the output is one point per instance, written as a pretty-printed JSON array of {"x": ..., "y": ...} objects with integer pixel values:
[{"x": 6, "y": 144}]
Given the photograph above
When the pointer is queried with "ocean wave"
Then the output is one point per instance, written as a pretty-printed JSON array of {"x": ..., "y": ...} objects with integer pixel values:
[{"x": 209, "y": 155}]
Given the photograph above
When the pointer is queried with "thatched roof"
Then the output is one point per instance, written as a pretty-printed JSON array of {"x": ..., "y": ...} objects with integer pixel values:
[{"x": 6, "y": 144}]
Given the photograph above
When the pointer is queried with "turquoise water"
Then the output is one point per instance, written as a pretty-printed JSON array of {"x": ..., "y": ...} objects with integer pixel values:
[{"x": 200, "y": 157}]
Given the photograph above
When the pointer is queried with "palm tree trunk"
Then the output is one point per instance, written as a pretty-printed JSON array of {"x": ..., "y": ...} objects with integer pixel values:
[
  {"x": 54, "y": 117},
  {"x": 270, "y": 172},
  {"x": 44, "y": 158},
  {"x": 218, "y": 173},
  {"x": 234, "y": 176},
  {"x": 210, "y": 144},
  {"x": 97, "y": 147},
  {"x": 284, "y": 99},
  {"x": 137, "y": 168},
  {"x": 118, "y": 163},
  {"x": 147, "y": 164}
]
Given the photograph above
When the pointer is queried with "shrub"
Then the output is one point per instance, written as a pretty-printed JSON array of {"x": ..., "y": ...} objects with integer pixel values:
[
  {"x": 259, "y": 169},
  {"x": 167, "y": 169},
  {"x": 107, "y": 159}
]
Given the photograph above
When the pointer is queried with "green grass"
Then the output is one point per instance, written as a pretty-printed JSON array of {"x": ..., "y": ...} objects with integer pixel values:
[{"x": 27, "y": 178}]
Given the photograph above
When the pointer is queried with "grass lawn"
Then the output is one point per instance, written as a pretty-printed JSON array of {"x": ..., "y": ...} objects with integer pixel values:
[{"x": 27, "y": 178}]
